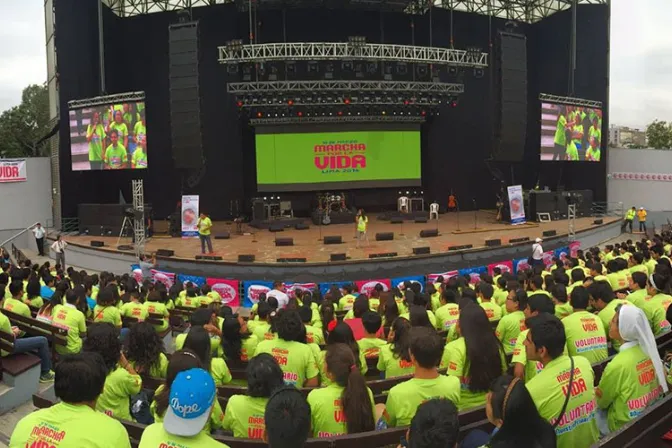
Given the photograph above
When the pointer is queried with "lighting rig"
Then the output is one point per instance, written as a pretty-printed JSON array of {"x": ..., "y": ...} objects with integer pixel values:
[
  {"x": 545, "y": 97},
  {"x": 346, "y": 81}
]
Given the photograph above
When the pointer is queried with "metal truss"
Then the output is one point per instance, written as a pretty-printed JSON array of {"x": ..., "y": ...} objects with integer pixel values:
[
  {"x": 324, "y": 51},
  {"x": 570, "y": 100},
  {"x": 571, "y": 222},
  {"x": 239, "y": 88},
  {"x": 519, "y": 10},
  {"x": 107, "y": 99},
  {"x": 421, "y": 102},
  {"x": 353, "y": 119},
  {"x": 139, "y": 220}
]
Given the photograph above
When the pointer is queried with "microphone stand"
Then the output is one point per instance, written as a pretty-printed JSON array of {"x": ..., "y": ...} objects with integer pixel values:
[
  {"x": 475, "y": 215},
  {"x": 457, "y": 208}
]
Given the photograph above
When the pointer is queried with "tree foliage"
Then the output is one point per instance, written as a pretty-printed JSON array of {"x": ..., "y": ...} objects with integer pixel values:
[
  {"x": 659, "y": 135},
  {"x": 22, "y": 126}
]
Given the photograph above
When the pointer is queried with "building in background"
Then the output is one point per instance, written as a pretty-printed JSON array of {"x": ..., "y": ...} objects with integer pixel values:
[{"x": 625, "y": 137}]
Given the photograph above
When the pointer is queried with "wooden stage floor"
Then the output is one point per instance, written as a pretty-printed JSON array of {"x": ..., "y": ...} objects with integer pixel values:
[{"x": 307, "y": 243}]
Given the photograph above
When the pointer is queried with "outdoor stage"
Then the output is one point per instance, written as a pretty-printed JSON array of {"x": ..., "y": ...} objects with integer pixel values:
[{"x": 309, "y": 243}]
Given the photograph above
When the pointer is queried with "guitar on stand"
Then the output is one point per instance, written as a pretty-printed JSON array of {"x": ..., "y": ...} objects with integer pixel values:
[
  {"x": 500, "y": 208},
  {"x": 452, "y": 202}
]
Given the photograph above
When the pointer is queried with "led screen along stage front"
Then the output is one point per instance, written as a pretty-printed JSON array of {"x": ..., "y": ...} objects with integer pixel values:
[{"x": 311, "y": 161}]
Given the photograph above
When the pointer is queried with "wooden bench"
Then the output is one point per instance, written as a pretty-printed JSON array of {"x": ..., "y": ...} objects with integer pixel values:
[
  {"x": 20, "y": 372},
  {"x": 33, "y": 327}
]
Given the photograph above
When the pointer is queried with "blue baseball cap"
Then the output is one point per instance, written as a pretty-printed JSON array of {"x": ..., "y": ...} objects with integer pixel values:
[{"x": 192, "y": 395}]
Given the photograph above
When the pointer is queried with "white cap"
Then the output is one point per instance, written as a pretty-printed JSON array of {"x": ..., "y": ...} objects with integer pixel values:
[
  {"x": 538, "y": 240},
  {"x": 641, "y": 208}
]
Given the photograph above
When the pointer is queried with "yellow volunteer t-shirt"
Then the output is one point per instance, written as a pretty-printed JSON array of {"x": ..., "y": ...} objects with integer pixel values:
[
  {"x": 295, "y": 359},
  {"x": 158, "y": 308},
  {"x": 119, "y": 386},
  {"x": 156, "y": 436},
  {"x": 508, "y": 329},
  {"x": 134, "y": 309},
  {"x": 326, "y": 411},
  {"x": 370, "y": 347},
  {"x": 204, "y": 226},
  {"x": 404, "y": 399},
  {"x": 108, "y": 314},
  {"x": 244, "y": 416},
  {"x": 158, "y": 370},
  {"x": 391, "y": 365},
  {"x": 65, "y": 425},
  {"x": 73, "y": 320}
]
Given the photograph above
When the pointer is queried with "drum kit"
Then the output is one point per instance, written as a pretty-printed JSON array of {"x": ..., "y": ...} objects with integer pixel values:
[{"x": 328, "y": 203}]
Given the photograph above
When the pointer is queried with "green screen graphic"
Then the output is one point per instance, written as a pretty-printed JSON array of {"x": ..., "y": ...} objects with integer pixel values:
[{"x": 325, "y": 160}]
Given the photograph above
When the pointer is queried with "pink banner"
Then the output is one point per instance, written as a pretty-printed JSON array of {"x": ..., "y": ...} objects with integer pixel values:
[
  {"x": 505, "y": 266},
  {"x": 366, "y": 286},
  {"x": 167, "y": 278},
  {"x": 227, "y": 289},
  {"x": 291, "y": 288},
  {"x": 574, "y": 247},
  {"x": 548, "y": 258},
  {"x": 446, "y": 275}
]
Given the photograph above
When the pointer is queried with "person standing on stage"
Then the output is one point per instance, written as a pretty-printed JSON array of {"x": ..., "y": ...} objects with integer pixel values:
[
  {"x": 641, "y": 217},
  {"x": 38, "y": 231},
  {"x": 204, "y": 225},
  {"x": 537, "y": 258},
  {"x": 362, "y": 223},
  {"x": 59, "y": 249}
]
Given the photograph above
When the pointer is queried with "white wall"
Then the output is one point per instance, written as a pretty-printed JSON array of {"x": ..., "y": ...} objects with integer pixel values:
[
  {"x": 653, "y": 195},
  {"x": 24, "y": 203}
]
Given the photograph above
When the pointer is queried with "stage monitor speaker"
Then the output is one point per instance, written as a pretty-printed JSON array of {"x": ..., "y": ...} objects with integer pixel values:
[
  {"x": 421, "y": 250},
  {"x": 427, "y": 233},
  {"x": 284, "y": 241},
  {"x": 302, "y": 226},
  {"x": 519, "y": 240},
  {"x": 337, "y": 257},
  {"x": 222, "y": 236},
  {"x": 334, "y": 239},
  {"x": 421, "y": 220},
  {"x": 245, "y": 258},
  {"x": 209, "y": 257},
  {"x": 258, "y": 210},
  {"x": 276, "y": 228},
  {"x": 462, "y": 247},
  {"x": 95, "y": 243},
  {"x": 384, "y": 236},
  {"x": 165, "y": 253},
  {"x": 291, "y": 260},
  {"x": 383, "y": 255},
  {"x": 511, "y": 92},
  {"x": 125, "y": 247},
  {"x": 493, "y": 243},
  {"x": 598, "y": 221},
  {"x": 396, "y": 220},
  {"x": 185, "y": 102},
  {"x": 549, "y": 233}
]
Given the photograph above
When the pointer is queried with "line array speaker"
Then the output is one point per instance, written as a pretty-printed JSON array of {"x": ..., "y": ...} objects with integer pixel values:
[{"x": 185, "y": 102}]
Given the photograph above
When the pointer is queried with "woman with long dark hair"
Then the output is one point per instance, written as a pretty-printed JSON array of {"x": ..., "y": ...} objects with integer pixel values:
[
  {"x": 341, "y": 334},
  {"x": 32, "y": 297},
  {"x": 510, "y": 408},
  {"x": 389, "y": 310},
  {"x": 198, "y": 340},
  {"x": 122, "y": 380},
  {"x": 145, "y": 351},
  {"x": 394, "y": 359},
  {"x": 476, "y": 358},
  {"x": 242, "y": 415},
  {"x": 237, "y": 343},
  {"x": 356, "y": 412},
  {"x": 327, "y": 317},
  {"x": 296, "y": 359}
]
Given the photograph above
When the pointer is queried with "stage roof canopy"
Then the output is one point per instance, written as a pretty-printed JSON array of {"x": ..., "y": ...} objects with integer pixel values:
[{"x": 528, "y": 11}]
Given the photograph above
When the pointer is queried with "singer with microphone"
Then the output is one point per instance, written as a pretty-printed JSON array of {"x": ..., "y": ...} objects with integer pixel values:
[{"x": 362, "y": 223}]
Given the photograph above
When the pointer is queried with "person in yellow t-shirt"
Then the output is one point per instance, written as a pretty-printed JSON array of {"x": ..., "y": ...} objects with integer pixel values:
[
  {"x": 485, "y": 292},
  {"x": 69, "y": 317},
  {"x": 69, "y": 423},
  {"x": 191, "y": 401},
  {"x": 370, "y": 344},
  {"x": 198, "y": 340},
  {"x": 426, "y": 349},
  {"x": 629, "y": 217},
  {"x": 244, "y": 414},
  {"x": 511, "y": 325},
  {"x": 362, "y": 224},
  {"x": 145, "y": 351},
  {"x": 237, "y": 343},
  {"x": 524, "y": 368},
  {"x": 139, "y": 157},
  {"x": 204, "y": 225},
  {"x": 394, "y": 358},
  {"x": 346, "y": 405},
  {"x": 641, "y": 217},
  {"x": 122, "y": 380},
  {"x": 287, "y": 418}
]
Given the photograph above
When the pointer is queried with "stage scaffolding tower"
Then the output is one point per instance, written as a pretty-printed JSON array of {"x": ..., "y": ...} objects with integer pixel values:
[
  {"x": 139, "y": 216},
  {"x": 571, "y": 222}
]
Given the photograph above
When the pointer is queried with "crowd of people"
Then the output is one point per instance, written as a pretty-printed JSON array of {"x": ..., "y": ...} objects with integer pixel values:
[{"x": 523, "y": 345}]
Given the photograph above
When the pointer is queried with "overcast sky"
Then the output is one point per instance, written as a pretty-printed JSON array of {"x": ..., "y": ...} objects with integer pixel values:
[{"x": 641, "y": 57}]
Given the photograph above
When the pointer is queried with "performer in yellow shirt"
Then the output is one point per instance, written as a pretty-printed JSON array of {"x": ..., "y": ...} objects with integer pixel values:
[
  {"x": 204, "y": 225},
  {"x": 641, "y": 217}
]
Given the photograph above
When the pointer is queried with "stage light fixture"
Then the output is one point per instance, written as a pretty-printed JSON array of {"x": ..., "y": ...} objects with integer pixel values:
[
  {"x": 453, "y": 104},
  {"x": 299, "y": 114},
  {"x": 347, "y": 66},
  {"x": 479, "y": 73},
  {"x": 273, "y": 75},
  {"x": 340, "y": 113},
  {"x": 346, "y": 100},
  {"x": 329, "y": 71},
  {"x": 290, "y": 102},
  {"x": 402, "y": 68},
  {"x": 313, "y": 67},
  {"x": 421, "y": 69},
  {"x": 357, "y": 42},
  {"x": 232, "y": 69},
  {"x": 452, "y": 71},
  {"x": 260, "y": 114},
  {"x": 372, "y": 67},
  {"x": 240, "y": 103},
  {"x": 423, "y": 113}
]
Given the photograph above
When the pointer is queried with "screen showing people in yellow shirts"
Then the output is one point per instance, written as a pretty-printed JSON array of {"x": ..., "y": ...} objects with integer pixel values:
[
  {"x": 307, "y": 158},
  {"x": 109, "y": 137},
  {"x": 570, "y": 133}
]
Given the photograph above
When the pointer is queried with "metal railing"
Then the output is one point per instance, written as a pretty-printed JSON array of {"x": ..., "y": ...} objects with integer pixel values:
[
  {"x": 13, "y": 250},
  {"x": 69, "y": 226},
  {"x": 601, "y": 209}
]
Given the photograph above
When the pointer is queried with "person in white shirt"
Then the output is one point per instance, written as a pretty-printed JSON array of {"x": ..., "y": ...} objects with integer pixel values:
[
  {"x": 537, "y": 257},
  {"x": 279, "y": 295},
  {"x": 59, "y": 249},
  {"x": 38, "y": 231}
]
